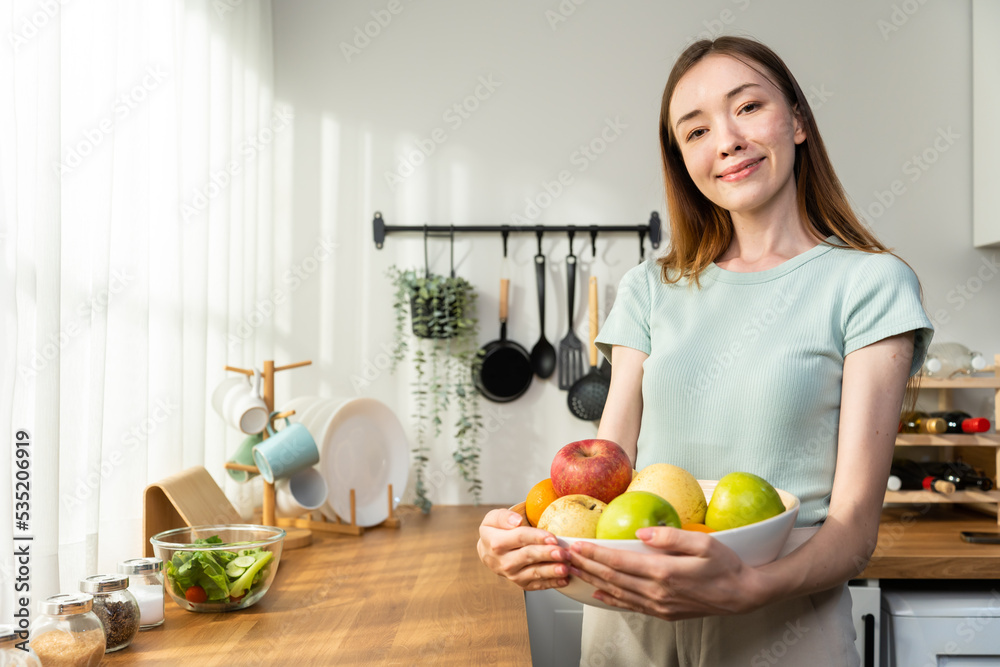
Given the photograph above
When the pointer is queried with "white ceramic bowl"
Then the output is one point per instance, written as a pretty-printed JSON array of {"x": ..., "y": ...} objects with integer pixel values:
[{"x": 756, "y": 544}]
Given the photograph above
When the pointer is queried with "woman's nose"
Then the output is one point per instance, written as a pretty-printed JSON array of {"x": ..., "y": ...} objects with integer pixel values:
[{"x": 730, "y": 140}]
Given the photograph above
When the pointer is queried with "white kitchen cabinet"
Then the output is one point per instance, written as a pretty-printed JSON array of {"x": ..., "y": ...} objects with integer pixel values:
[
  {"x": 555, "y": 625},
  {"x": 985, "y": 129},
  {"x": 953, "y": 628},
  {"x": 555, "y": 628}
]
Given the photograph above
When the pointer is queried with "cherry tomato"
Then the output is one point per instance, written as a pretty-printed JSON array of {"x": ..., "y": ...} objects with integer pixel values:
[{"x": 196, "y": 594}]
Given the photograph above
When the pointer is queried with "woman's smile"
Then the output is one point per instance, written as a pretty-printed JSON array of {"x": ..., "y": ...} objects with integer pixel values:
[{"x": 741, "y": 170}]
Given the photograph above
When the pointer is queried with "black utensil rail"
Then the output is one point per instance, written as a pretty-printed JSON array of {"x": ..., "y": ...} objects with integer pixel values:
[{"x": 652, "y": 229}]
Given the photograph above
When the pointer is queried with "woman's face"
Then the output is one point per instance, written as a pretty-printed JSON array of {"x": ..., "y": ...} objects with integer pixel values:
[{"x": 737, "y": 135}]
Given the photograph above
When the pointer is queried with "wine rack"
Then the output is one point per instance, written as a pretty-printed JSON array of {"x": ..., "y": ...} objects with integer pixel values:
[{"x": 981, "y": 450}]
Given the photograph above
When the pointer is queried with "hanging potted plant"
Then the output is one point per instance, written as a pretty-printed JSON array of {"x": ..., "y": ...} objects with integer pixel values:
[{"x": 436, "y": 323}]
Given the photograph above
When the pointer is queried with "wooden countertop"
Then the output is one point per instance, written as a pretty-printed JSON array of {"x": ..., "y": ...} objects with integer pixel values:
[
  {"x": 419, "y": 595},
  {"x": 415, "y": 595},
  {"x": 923, "y": 542}
]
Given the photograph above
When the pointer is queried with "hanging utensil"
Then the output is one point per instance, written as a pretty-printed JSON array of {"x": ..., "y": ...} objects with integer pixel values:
[
  {"x": 588, "y": 395},
  {"x": 570, "y": 347},
  {"x": 543, "y": 355},
  {"x": 504, "y": 370}
]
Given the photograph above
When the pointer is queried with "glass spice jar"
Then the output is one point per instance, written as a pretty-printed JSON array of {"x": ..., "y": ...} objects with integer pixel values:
[
  {"x": 145, "y": 582},
  {"x": 67, "y": 633},
  {"x": 10, "y": 654},
  {"x": 115, "y": 606}
]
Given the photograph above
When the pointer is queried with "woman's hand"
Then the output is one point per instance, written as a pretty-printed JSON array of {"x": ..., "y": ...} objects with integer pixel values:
[
  {"x": 530, "y": 557},
  {"x": 696, "y": 576}
]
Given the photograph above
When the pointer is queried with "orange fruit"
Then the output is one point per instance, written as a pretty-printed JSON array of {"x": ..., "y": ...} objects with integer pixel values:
[
  {"x": 698, "y": 528},
  {"x": 540, "y": 497}
]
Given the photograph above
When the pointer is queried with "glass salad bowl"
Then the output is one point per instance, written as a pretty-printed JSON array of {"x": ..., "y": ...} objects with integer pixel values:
[{"x": 218, "y": 568}]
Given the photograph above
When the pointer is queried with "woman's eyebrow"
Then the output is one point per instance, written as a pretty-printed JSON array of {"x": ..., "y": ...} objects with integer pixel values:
[{"x": 730, "y": 95}]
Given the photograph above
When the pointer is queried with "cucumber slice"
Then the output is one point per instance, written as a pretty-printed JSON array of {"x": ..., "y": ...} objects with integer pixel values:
[
  {"x": 244, "y": 562},
  {"x": 233, "y": 570}
]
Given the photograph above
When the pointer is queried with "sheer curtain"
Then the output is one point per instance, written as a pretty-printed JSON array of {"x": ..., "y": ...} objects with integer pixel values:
[{"x": 135, "y": 234}]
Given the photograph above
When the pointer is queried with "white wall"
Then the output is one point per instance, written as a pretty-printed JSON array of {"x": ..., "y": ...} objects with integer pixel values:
[{"x": 882, "y": 96}]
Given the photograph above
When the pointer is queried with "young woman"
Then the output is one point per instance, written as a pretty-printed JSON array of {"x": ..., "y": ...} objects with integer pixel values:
[{"x": 775, "y": 337}]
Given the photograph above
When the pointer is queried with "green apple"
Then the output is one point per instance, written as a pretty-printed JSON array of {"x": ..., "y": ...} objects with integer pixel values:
[
  {"x": 742, "y": 498},
  {"x": 633, "y": 510}
]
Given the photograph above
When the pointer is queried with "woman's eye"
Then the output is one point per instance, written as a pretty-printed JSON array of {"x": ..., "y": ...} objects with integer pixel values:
[
  {"x": 695, "y": 134},
  {"x": 750, "y": 106}
]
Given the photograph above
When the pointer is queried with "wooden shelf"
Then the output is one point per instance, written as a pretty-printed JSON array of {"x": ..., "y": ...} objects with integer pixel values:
[
  {"x": 948, "y": 440},
  {"x": 965, "y": 382},
  {"x": 974, "y": 496},
  {"x": 978, "y": 444}
]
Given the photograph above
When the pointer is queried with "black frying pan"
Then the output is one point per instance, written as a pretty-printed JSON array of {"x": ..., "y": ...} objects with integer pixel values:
[{"x": 504, "y": 371}]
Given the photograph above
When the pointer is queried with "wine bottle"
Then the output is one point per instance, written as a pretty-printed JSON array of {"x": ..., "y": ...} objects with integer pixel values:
[
  {"x": 921, "y": 422},
  {"x": 911, "y": 476},
  {"x": 962, "y": 475},
  {"x": 963, "y": 422}
]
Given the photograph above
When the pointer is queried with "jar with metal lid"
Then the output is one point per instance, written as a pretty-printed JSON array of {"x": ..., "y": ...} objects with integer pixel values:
[
  {"x": 145, "y": 582},
  {"x": 67, "y": 633},
  {"x": 11, "y": 655},
  {"x": 115, "y": 606}
]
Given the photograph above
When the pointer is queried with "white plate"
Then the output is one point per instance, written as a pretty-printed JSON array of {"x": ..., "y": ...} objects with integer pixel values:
[{"x": 363, "y": 448}]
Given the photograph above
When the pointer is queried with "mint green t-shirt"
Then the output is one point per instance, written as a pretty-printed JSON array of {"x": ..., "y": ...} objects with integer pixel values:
[{"x": 744, "y": 374}]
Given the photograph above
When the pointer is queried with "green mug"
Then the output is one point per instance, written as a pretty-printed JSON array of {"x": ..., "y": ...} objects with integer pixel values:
[{"x": 244, "y": 456}]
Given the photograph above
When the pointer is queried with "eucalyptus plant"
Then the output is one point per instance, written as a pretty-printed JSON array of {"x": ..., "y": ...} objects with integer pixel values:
[{"x": 435, "y": 322}]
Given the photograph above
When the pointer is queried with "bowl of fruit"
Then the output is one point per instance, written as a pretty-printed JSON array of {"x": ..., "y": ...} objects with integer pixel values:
[
  {"x": 593, "y": 495},
  {"x": 218, "y": 568}
]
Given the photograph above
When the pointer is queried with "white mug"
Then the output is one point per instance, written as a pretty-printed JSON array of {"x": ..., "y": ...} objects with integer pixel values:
[
  {"x": 237, "y": 400},
  {"x": 302, "y": 492}
]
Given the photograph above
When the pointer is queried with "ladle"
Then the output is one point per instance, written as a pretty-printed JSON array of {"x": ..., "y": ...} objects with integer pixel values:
[{"x": 543, "y": 354}]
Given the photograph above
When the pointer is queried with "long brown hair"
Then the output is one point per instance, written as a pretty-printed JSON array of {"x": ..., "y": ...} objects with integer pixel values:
[{"x": 700, "y": 230}]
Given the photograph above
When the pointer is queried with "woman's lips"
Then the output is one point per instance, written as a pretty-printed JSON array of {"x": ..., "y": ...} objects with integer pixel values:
[{"x": 741, "y": 171}]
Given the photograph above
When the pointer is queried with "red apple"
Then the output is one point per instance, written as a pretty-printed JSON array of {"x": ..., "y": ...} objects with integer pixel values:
[{"x": 596, "y": 468}]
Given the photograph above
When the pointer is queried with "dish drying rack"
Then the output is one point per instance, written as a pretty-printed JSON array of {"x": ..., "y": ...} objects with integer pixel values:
[{"x": 299, "y": 529}]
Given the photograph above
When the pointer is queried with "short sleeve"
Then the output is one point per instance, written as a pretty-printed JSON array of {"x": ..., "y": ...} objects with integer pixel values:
[
  {"x": 884, "y": 301},
  {"x": 628, "y": 322}
]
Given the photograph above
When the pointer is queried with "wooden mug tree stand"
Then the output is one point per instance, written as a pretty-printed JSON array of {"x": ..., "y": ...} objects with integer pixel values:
[{"x": 299, "y": 530}]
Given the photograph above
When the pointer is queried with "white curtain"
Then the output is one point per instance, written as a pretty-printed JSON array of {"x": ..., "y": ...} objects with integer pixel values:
[{"x": 136, "y": 231}]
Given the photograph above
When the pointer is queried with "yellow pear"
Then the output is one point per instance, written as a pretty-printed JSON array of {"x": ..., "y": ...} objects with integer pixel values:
[{"x": 675, "y": 485}]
